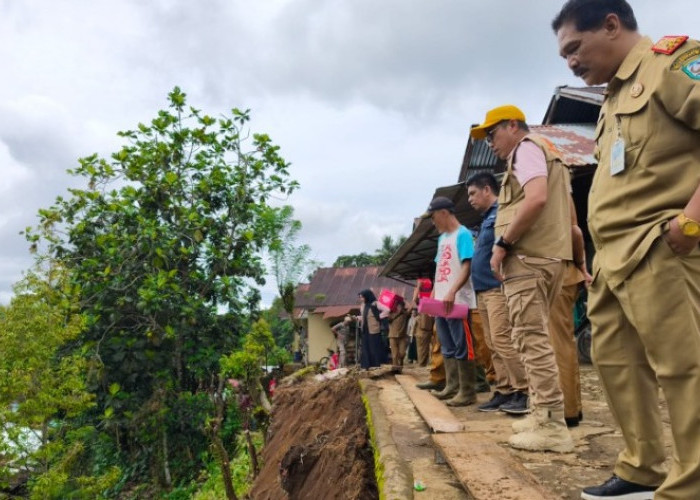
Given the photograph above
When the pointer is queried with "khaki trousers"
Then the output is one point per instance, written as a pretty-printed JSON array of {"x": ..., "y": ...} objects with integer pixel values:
[
  {"x": 531, "y": 286},
  {"x": 646, "y": 334},
  {"x": 437, "y": 364},
  {"x": 423, "y": 343},
  {"x": 398, "y": 349},
  {"x": 507, "y": 363},
  {"x": 483, "y": 351},
  {"x": 561, "y": 335}
]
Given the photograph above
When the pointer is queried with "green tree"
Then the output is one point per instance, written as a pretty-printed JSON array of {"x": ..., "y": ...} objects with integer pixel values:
[
  {"x": 280, "y": 323},
  {"x": 380, "y": 256},
  {"x": 164, "y": 247},
  {"x": 42, "y": 391},
  {"x": 290, "y": 261}
]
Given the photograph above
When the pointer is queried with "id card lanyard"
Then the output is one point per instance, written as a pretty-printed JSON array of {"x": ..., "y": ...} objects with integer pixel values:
[{"x": 617, "y": 155}]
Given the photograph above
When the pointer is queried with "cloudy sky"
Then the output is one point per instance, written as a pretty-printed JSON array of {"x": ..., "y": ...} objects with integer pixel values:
[{"x": 370, "y": 100}]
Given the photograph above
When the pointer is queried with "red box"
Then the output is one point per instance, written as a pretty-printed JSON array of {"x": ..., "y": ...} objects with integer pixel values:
[
  {"x": 425, "y": 287},
  {"x": 389, "y": 299}
]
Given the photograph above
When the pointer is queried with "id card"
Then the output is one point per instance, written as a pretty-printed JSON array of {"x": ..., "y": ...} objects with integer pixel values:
[{"x": 617, "y": 156}]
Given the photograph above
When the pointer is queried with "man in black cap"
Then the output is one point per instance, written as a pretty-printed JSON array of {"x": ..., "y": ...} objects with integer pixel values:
[{"x": 453, "y": 265}]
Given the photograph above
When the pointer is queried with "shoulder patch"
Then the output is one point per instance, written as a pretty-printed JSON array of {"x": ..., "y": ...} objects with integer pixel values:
[
  {"x": 669, "y": 44},
  {"x": 686, "y": 56},
  {"x": 692, "y": 68}
]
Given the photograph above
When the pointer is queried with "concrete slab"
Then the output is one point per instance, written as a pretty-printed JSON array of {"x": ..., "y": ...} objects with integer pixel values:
[
  {"x": 394, "y": 475},
  {"x": 487, "y": 471},
  {"x": 437, "y": 416}
]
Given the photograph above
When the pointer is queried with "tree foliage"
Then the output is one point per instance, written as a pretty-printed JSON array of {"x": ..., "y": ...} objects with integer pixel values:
[
  {"x": 290, "y": 260},
  {"x": 380, "y": 256},
  {"x": 43, "y": 391},
  {"x": 163, "y": 248}
]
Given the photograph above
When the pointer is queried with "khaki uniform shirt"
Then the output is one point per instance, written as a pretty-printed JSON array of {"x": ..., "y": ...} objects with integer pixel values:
[
  {"x": 653, "y": 104},
  {"x": 550, "y": 235},
  {"x": 398, "y": 324}
]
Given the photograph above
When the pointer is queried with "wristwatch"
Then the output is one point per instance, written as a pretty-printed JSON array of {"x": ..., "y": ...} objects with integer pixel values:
[
  {"x": 500, "y": 242},
  {"x": 689, "y": 227}
]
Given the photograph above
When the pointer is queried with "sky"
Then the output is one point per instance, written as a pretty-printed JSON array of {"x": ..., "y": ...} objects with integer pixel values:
[{"x": 370, "y": 101}]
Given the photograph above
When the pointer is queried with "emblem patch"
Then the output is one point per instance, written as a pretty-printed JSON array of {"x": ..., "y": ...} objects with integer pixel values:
[
  {"x": 684, "y": 58},
  {"x": 692, "y": 69},
  {"x": 669, "y": 44}
]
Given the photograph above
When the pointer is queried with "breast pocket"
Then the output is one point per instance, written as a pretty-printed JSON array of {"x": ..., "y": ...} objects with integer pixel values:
[{"x": 635, "y": 125}]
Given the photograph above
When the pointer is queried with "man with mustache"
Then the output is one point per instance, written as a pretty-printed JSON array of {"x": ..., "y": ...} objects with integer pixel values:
[{"x": 644, "y": 218}]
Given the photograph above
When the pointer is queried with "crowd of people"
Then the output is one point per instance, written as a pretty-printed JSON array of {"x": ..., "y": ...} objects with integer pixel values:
[{"x": 521, "y": 274}]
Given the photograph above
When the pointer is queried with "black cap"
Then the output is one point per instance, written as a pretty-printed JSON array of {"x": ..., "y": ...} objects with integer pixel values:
[{"x": 439, "y": 203}]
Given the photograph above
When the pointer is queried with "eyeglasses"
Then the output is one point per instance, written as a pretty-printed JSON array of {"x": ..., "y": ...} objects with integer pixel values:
[{"x": 492, "y": 132}]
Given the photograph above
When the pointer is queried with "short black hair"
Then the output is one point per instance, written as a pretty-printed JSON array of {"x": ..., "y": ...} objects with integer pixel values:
[
  {"x": 483, "y": 179},
  {"x": 589, "y": 15}
]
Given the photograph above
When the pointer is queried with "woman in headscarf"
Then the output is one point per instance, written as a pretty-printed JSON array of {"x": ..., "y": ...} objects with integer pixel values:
[{"x": 373, "y": 350}]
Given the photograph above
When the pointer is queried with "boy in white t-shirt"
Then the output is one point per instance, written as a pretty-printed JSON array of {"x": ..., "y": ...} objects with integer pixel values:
[{"x": 453, "y": 266}]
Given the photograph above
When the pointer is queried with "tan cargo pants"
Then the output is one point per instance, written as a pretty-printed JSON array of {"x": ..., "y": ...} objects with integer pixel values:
[
  {"x": 531, "y": 285},
  {"x": 509, "y": 368},
  {"x": 561, "y": 335},
  {"x": 646, "y": 333}
]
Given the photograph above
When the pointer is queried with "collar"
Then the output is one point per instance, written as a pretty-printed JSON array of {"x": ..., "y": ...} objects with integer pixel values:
[
  {"x": 491, "y": 209},
  {"x": 631, "y": 62}
]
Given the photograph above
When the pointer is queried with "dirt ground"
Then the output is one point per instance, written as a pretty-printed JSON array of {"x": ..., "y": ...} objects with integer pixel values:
[{"x": 318, "y": 444}]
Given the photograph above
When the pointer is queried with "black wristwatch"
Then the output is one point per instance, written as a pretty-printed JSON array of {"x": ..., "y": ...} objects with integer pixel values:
[{"x": 504, "y": 244}]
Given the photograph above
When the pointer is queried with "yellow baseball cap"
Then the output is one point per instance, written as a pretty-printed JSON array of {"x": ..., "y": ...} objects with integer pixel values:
[{"x": 496, "y": 115}]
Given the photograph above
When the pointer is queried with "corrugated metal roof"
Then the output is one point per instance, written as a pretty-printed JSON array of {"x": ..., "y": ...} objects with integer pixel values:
[
  {"x": 574, "y": 105},
  {"x": 569, "y": 123},
  {"x": 415, "y": 258},
  {"x": 575, "y": 141},
  {"x": 335, "y": 289}
]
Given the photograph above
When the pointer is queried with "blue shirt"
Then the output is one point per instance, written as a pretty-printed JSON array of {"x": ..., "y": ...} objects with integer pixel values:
[{"x": 482, "y": 277}]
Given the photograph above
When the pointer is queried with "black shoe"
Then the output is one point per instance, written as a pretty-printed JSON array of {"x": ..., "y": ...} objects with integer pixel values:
[
  {"x": 495, "y": 402},
  {"x": 517, "y": 404},
  {"x": 574, "y": 421},
  {"x": 618, "y": 489}
]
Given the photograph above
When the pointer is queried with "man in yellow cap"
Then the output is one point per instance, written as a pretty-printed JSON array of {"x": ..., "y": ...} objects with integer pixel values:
[
  {"x": 533, "y": 231},
  {"x": 644, "y": 219}
]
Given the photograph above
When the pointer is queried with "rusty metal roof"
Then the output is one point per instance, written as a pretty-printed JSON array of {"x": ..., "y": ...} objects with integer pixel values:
[
  {"x": 569, "y": 123},
  {"x": 574, "y": 141},
  {"x": 334, "y": 290}
]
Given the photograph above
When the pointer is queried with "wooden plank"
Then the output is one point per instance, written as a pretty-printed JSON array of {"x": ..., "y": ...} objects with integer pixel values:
[
  {"x": 487, "y": 471},
  {"x": 436, "y": 415}
]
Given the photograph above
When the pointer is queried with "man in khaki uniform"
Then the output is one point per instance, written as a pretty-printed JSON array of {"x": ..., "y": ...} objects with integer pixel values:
[
  {"x": 561, "y": 325},
  {"x": 644, "y": 208},
  {"x": 533, "y": 231},
  {"x": 561, "y": 335}
]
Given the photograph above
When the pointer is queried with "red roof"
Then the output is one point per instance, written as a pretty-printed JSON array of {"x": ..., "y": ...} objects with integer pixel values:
[{"x": 333, "y": 291}]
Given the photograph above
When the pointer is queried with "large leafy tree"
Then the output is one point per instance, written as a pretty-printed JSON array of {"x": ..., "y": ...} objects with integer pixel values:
[{"x": 164, "y": 247}]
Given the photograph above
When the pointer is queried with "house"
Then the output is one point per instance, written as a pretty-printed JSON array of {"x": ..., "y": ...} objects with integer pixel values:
[
  {"x": 330, "y": 295},
  {"x": 569, "y": 123}
]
